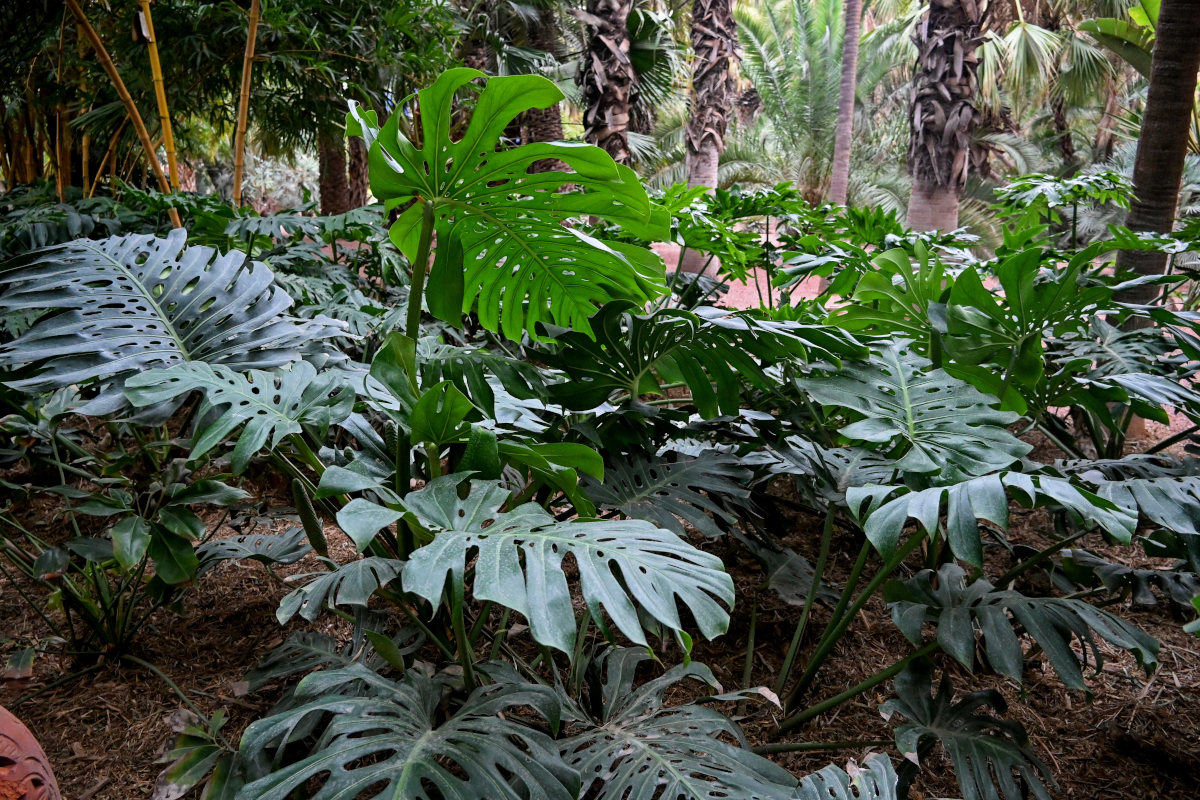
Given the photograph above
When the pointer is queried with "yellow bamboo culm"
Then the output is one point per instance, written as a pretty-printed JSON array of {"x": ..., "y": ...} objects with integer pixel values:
[
  {"x": 136, "y": 118},
  {"x": 239, "y": 136},
  {"x": 164, "y": 116}
]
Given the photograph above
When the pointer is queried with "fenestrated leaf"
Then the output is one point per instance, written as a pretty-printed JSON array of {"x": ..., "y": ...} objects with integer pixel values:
[
  {"x": 269, "y": 548},
  {"x": 636, "y": 748},
  {"x": 714, "y": 351},
  {"x": 887, "y": 509},
  {"x": 1164, "y": 490},
  {"x": 1179, "y": 585},
  {"x": 929, "y": 421},
  {"x": 874, "y": 780},
  {"x": 501, "y": 246},
  {"x": 127, "y": 304},
  {"x": 624, "y": 565},
  {"x": 984, "y": 749},
  {"x": 662, "y": 492},
  {"x": 272, "y": 405},
  {"x": 387, "y": 736},
  {"x": 789, "y": 574},
  {"x": 350, "y": 585},
  {"x": 958, "y": 610}
]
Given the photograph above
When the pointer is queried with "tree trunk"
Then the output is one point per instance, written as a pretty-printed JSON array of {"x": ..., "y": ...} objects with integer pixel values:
[
  {"x": 714, "y": 43},
  {"x": 359, "y": 178},
  {"x": 942, "y": 114},
  {"x": 1102, "y": 144},
  {"x": 239, "y": 135},
  {"x": 331, "y": 158},
  {"x": 839, "y": 182},
  {"x": 543, "y": 124},
  {"x": 1163, "y": 141},
  {"x": 607, "y": 77},
  {"x": 932, "y": 207}
]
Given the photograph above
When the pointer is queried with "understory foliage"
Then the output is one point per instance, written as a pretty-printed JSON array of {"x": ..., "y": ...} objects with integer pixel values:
[{"x": 533, "y": 436}]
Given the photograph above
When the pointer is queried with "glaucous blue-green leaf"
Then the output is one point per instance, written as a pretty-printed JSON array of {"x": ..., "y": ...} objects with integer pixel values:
[
  {"x": 391, "y": 738},
  {"x": 874, "y": 780},
  {"x": 959, "y": 609},
  {"x": 350, "y": 584},
  {"x": 984, "y": 750},
  {"x": 664, "y": 492},
  {"x": 271, "y": 405},
  {"x": 637, "y": 748},
  {"x": 503, "y": 249},
  {"x": 927, "y": 420},
  {"x": 625, "y": 566},
  {"x": 119, "y": 306},
  {"x": 884, "y": 511}
]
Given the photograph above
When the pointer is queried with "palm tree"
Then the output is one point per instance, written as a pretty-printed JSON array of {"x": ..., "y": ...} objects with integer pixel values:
[
  {"x": 840, "y": 180},
  {"x": 1162, "y": 145},
  {"x": 607, "y": 77},
  {"x": 714, "y": 42},
  {"x": 943, "y": 114},
  {"x": 792, "y": 54}
]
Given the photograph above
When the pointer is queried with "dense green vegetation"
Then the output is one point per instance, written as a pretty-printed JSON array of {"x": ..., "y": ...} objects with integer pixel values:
[{"x": 546, "y": 448}]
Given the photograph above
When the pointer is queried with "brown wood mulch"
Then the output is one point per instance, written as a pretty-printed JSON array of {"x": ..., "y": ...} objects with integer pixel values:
[{"x": 1130, "y": 738}]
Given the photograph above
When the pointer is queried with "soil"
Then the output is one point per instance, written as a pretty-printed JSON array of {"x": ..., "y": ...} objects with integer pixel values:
[{"x": 1129, "y": 738}]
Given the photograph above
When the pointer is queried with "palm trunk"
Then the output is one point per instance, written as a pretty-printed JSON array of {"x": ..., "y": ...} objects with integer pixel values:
[
  {"x": 714, "y": 43},
  {"x": 544, "y": 124},
  {"x": 607, "y": 77},
  {"x": 239, "y": 136},
  {"x": 839, "y": 182},
  {"x": 331, "y": 157},
  {"x": 359, "y": 176},
  {"x": 942, "y": 114},
  {"x": 1163, "y": 142},
  {"x": 160, "y": 96},
  {"x": 130, "y": 108}
]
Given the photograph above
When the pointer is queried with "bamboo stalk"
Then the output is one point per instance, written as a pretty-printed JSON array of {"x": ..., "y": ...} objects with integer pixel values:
[
  {"x": 113, "y": 75},
  {"x": 85, "y": 145},
  {"x": 160, "y": 94},
  {"x": 239, "y": 137},
  {"x": 110, "y": 153}
]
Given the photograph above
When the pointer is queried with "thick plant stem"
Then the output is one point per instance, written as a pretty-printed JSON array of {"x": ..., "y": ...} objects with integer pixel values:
[
  {"x": 416, "y": 290},
  {"x": 465, "y": 656},
  {"x": 808, "y": 747},
  {"x": 239, "y": 136},
  {"x": 160, "y": 95},
  {"x": 838, "y": 627},
  {"x": 130, "y": 108},
  {"x": 820, "y": 708},
  {"x": 818, "y": 572}
]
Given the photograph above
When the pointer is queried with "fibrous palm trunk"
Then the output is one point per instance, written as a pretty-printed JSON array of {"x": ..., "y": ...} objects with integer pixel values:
[
  {"x": 1163, "y": 141},
  {"x": 942, "y": 114},
  {"x": 359, "y": 178},
  {"x": 839, "y": 182},
  {"x": 544, "y": 124},
  {"x": 607, "y": 78},
  {"x": 714, "y": 42},
  {"x": 331, "y": 164}
]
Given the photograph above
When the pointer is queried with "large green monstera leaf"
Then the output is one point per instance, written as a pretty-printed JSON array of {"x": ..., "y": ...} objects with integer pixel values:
[
  {"x": 985, "y": 750},
  {"x": 958, "y": 609},
  {"x": 502, "y": 233},
  {"x": 271, "y": 405},
  {"x": 127, "y": 304},
  {"x": 385, "y": 741},
  {"x": 630, "y": 746},
  {"x": 929, "y": 421},
  {"x": 624, "y": 565},
  {"x": 716, "y": 352}
]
